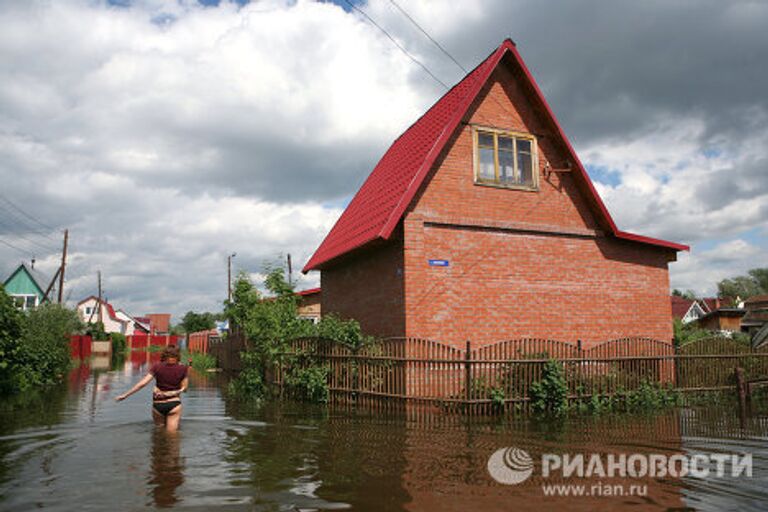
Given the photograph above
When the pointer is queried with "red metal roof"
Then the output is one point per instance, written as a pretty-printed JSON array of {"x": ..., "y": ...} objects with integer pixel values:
[
  {"x": 310, "y": 291},
  {"x": 380, "y": 203}
]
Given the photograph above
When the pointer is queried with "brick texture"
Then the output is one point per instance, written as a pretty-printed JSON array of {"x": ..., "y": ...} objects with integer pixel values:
[{"x": 369, "y": 288}]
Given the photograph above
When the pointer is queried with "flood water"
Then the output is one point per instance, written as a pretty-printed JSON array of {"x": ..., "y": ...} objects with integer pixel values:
[{"x": 77, "y": 449}]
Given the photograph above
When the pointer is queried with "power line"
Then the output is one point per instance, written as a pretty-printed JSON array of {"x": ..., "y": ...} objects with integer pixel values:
[
  {"x": 447, "y": 53},
  {"x": 22, "y": 222},
  {"x": 394, "y": 41},
  {"x": 429, "y": 36},
  {"x": 34, "y": 219},
  {"x": 30, "y": 241},
  {"x": 20, "y": 250}
]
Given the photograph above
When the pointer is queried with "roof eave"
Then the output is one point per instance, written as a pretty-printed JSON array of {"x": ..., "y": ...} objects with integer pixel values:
[{"x": 651, "y": 241}]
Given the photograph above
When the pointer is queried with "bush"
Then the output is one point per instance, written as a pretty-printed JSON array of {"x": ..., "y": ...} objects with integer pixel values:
[
  {"x": 249, "y": 383},
  {"x": 202, "y": 362},
  {"x": 119, "y": 343},
  {"x": 309, "y": 383},
  {"x": 10, "y": 337},
  {"x": 550, "y": 394},
  {"x": 43, "y": 356},
  {"x": 690, "y": 332}
]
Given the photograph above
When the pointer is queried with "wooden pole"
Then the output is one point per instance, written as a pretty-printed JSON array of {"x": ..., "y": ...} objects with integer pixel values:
[
  {"x": 63, "y": 266},
  {"x": 229, "y": 276},
  {"x": 98, "y": 305},
  {"x": 50, "y": 286},
  {"x": 290, "y": 270},
  {"x": 468, "y": 373}
]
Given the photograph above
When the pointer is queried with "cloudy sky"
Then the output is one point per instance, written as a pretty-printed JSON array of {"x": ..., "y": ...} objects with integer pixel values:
[{"x": 168, "y": 134}]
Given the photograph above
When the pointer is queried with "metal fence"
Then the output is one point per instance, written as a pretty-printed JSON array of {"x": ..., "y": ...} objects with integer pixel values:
[{"x": 426, "y": 371}]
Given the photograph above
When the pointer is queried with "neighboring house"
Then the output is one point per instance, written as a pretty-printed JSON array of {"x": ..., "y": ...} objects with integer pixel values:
[
  {"x": 480, "y": 223},
  {"x": 159, "y": 323},
  {"x": 88, "y": 311},
  {"x": 686, "y": 310},
  {"x": 26, "y": 286},
  {"x": 133, "y": 325},
  {"x": 309, "y": 305},
  {"x": 724, "y": 320},
  {"x": 756, "y": 314}
]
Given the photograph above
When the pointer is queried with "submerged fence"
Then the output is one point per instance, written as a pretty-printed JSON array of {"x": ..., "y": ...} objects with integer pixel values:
[{"x": 418, "y": 370}]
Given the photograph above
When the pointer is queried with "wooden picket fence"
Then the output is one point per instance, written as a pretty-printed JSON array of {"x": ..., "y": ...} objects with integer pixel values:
[{"x": 425, "y": 371}]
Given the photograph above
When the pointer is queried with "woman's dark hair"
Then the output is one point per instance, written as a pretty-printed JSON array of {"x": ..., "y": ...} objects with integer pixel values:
[{"x": 170, "y": 352}]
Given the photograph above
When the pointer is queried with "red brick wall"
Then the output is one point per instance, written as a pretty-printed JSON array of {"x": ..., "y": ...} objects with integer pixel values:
[
  {"x": 368, "y": 288},
  {"x": 505, "y": 285}
]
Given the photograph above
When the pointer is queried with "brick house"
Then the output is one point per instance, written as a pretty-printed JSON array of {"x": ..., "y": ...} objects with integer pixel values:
[{"x": 480, "y": 223}]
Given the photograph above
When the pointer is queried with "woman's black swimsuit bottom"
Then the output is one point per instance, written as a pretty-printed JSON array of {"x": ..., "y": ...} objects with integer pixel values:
[{"x": 166, "y": 407}]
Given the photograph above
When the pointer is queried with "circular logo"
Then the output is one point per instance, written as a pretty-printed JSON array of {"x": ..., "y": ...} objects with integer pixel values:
[{"x": 510, "y": 466}]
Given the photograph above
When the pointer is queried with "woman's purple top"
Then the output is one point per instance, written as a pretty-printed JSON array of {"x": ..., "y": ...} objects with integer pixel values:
[{"x": 168, "y": 377}]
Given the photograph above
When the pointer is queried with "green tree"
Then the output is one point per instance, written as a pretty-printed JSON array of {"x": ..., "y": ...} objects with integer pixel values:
[
  {"x": 687, "y": 294},
  {"x": 270, "y": 323},
  {"x": 744, "y": 287},
  {"x": 194, "y": 322}
]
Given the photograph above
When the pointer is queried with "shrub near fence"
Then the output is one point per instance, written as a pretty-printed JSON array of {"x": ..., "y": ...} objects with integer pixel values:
[{"x": 503, "y": 373}]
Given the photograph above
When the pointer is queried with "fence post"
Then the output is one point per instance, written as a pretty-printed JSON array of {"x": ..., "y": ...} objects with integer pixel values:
[
  {"x": 468, "y": 373},
  {"x": 741, "y": 389}
]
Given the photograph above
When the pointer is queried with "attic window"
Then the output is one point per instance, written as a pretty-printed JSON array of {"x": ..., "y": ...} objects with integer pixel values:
[{"x": 506, "y": 159}]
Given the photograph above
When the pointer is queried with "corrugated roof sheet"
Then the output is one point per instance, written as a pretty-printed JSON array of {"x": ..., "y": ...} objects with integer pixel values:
[{"x": 380, "y": 203}]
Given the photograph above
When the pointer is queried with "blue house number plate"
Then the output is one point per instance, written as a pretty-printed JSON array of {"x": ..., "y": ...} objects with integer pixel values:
[{"x": 438, "y": 263}]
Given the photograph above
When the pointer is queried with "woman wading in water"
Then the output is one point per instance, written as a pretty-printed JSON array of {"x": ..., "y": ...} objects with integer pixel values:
[{"x": 170, "y": 382}]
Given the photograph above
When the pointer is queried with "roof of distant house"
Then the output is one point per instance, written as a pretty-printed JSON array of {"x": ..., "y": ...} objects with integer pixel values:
[
  {"x": 379, "y": 205},
  {"x": 311, "y": 291},
  {"x": 680, "y": 306},
  {"x": 37, "y": 277},
  {"x": 756, "y": 298},
  {"x": 110, "y": 309},
  {"x": 710, "y": 303},
  {"x": 143, "y": 323}
]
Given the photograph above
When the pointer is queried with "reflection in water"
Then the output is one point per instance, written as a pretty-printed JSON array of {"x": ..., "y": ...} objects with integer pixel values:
[
  {"x": 78, "y": 449},
  {"x": 166, "y": 467}
]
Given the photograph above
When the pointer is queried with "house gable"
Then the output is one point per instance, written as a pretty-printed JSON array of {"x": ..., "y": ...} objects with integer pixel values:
[
  {"x": 379, "y": 206},
  {"x": 451, "y": 194},
  {"x": 22, "y": 282}
]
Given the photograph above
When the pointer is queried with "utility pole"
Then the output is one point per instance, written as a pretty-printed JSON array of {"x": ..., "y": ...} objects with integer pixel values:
[
  {"x": 63, "y": 265},
  {"x": 229, "y": 276},
  {"x": 290, "y": 270},
  {"x": 99, "y": 303}
]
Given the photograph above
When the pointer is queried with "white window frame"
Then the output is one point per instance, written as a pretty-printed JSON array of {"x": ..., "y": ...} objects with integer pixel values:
[{"x": 24, "y": 297}]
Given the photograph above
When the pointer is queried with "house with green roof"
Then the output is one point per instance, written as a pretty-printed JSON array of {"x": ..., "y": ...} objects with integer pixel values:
[{"x": 26, "y": 286}]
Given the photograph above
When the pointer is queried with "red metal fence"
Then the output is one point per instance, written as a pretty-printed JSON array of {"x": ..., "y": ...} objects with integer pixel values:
[
  {"x": 80, "y": 346},
  {"x": 200, "y": 341},
  {"x": 144, "y": 341}
]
